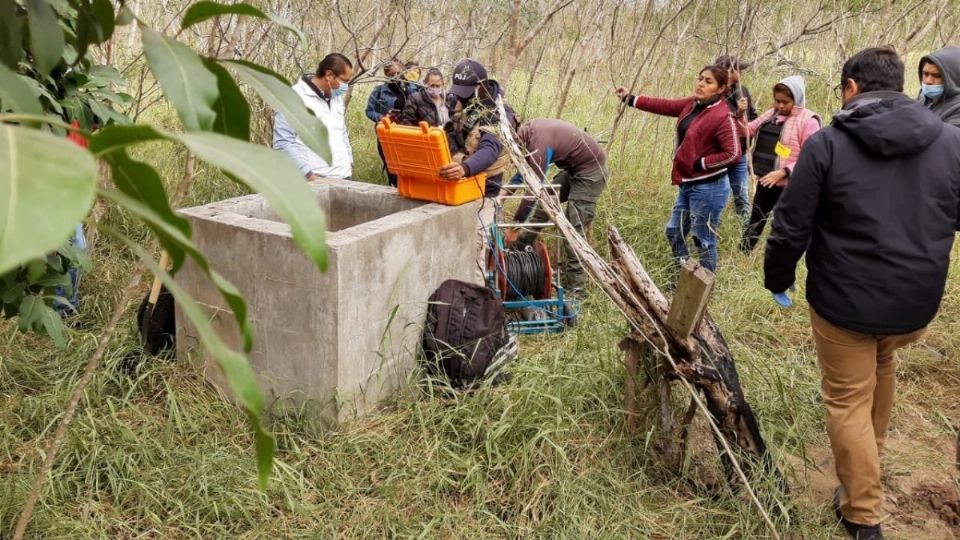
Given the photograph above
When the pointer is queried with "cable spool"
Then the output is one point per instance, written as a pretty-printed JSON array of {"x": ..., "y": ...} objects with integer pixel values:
[{"x": 524, "y": 274}]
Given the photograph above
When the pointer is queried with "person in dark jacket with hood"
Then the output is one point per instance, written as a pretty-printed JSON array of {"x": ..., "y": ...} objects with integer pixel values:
[
  {"x": 874, "y": 202},
  {"x": 940, "y": 84}
]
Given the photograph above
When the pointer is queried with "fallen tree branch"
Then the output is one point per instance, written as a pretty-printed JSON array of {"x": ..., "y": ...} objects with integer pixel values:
[{"x": 694, "y": 359}]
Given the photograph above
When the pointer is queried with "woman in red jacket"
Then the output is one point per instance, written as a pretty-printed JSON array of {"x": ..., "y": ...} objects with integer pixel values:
[{"x": 707, "y": 143}]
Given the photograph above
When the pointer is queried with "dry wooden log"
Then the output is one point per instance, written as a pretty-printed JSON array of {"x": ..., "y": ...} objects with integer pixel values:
[{"x": 631, "y": 361}]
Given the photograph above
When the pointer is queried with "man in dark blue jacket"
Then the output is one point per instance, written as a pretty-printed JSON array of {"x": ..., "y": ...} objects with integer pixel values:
[{"x": 874, "y": 202}]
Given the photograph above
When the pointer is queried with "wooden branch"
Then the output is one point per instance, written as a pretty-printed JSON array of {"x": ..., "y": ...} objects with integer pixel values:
[
  {"x": 631, "y": 361},
  {"x": 703, "y": 361},
  {"x": 557, "y": 7},
  {"x": 646, "y": 58}
]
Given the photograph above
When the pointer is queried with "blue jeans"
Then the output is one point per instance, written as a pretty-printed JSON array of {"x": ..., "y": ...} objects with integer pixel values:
[
  {"x": 740, "y": 186},
  {"x": 698, "y": 210}
]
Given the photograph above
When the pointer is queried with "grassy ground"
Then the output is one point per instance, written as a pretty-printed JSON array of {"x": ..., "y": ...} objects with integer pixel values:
[{"x": 157, "y": 454}]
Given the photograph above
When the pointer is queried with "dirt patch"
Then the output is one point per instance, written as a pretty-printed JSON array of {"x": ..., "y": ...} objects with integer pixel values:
[{"x": 942, "y": 499}]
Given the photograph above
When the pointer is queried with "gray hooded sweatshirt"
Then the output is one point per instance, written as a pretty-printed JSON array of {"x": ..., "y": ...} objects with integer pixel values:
[
  {"x": 947, "y": 106},
  {"x": 798, "y": 88}
]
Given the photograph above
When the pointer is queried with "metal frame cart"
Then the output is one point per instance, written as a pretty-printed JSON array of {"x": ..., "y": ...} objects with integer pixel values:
[{"x": 546, "y": 309}]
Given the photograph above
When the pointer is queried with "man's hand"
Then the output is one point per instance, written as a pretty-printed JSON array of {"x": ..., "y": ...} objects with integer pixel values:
[
  {"x": 622, "y": 92},
  {"x": 452, "y": 171},
  {"x": 311, "y": 176},
  {"x": 774, "y": 178}
]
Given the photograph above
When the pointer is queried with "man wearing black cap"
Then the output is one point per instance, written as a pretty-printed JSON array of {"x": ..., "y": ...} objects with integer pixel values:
[
  {"x": 476, "y": 121},
  {"x": 738, "y": 172}
]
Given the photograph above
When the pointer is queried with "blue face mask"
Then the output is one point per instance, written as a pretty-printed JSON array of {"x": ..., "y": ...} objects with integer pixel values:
[
  {"x": 931, "y": 91},
  {"x": 341, "y": 90}
]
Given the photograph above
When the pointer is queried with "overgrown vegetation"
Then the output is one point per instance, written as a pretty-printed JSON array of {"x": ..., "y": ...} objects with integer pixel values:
[{"x": 158, "y": 454}]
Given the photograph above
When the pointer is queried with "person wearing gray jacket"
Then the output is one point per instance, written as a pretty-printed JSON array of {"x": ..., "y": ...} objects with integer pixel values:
[{"x": 940, "y": 84}]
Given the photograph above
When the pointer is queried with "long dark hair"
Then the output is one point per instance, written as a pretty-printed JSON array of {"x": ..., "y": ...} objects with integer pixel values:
[{"x": 721, "y": 75}]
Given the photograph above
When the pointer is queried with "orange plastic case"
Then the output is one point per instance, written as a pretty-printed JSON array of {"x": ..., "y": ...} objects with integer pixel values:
[{"x": 415, "y": 155}]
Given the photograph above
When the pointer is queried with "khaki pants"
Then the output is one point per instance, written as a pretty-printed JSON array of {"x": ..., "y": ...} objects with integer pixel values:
[{"x": 859, "y": 376}]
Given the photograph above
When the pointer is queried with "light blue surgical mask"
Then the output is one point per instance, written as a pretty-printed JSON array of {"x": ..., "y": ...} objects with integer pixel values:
[
  {"x": 931, "y": 91},
  {"x": 341, "y": 90}
]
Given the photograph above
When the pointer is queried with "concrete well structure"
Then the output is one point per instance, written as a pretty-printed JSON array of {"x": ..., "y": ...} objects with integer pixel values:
[{"x": 341, "y": 340}]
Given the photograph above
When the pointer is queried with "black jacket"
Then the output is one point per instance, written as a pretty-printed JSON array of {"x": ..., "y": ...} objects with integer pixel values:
[
  {"x": 874, "y": 201},
  {"x": 420, "y": 108},
  {"x": 733, "y": 96}
]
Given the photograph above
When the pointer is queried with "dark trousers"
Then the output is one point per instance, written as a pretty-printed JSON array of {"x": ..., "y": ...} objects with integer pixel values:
[
  {"x": 391, "y": 178},
  {"x": 763, "y": 202}
]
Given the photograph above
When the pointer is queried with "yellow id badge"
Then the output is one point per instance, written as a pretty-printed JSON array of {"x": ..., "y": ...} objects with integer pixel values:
[{"x": 782, "y": 151}]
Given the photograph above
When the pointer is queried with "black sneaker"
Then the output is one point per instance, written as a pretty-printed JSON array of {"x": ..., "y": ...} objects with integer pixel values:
[{"x": 855, "y": 530}]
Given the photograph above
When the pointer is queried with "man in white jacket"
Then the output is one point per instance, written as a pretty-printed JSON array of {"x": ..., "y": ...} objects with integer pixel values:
[{"x": 323, "y": 94}]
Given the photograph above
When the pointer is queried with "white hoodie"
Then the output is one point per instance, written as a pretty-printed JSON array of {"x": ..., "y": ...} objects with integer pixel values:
[{"x": 332, "y": 113}]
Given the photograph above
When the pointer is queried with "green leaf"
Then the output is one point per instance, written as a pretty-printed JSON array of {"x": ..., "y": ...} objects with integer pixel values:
[
  {"x": 283, "y": 99},
  {"x": 113, "y": 138},
  {"x": 233, "y": 112},
  {"x": 102, "y": 11},
  {"x": 16, "y": 95},
  {"x": 276, "y": 177},
  {"x": 189, "y": 86},
  {"x": 36, "y": 315},
  {"x": 46, "y": 187},
  {"x": 46, "y": 36},
  {"x": 11, "y": 46},
  {"x": 235, "y": 367},
  {"x": 107, "y": 115},
  {"x": 141, "y": 182},
  {"x": 125, "y": 16},
  {"x": 173, "y": 238},
  {"x": 202, "y": 11}
]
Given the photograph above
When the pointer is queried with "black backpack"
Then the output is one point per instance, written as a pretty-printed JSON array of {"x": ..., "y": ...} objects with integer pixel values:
[{"x": 465, "y": 336}]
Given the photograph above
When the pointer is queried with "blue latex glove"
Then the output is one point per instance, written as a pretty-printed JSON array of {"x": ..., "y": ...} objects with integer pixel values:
[{"x": 782, "y": 299}]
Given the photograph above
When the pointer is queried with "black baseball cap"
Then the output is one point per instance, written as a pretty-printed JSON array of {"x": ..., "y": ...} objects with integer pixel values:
[
  {"x": 466, "y": 76},
  {"x": 732, "y": 62}
]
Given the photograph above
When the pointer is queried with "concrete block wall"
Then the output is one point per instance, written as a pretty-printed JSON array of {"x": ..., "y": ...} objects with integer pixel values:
[{"x": 342, "y": 340}]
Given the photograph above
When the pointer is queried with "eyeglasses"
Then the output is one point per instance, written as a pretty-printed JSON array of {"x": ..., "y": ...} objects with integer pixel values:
[{"x": 838, "y": 90}]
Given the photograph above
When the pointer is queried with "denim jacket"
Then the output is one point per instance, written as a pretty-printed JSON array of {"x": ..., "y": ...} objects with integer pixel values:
[{"x": 381, "y": 101}]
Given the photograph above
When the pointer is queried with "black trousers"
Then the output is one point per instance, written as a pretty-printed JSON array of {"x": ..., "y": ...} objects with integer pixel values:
[
  {"x": 763, "y": 202},
  {"x": 391, "y": 178}
]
